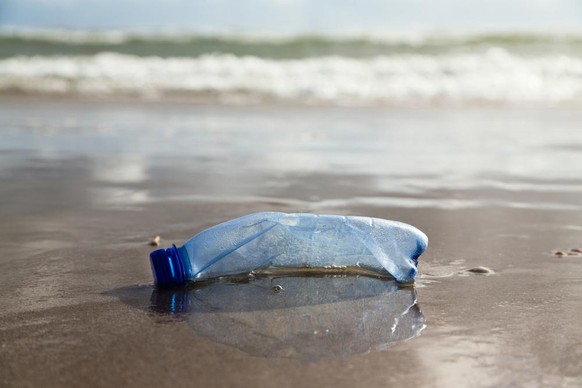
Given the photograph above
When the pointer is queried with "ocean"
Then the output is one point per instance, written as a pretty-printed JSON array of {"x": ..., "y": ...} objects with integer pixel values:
[{"x": 517, "y": 69}]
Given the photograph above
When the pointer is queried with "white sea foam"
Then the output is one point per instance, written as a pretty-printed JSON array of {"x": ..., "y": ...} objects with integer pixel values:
[{"x": 492, "y": 76}]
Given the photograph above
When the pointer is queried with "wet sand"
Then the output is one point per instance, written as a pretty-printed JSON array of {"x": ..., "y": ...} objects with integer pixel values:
[{"x": 86, "y": 185}]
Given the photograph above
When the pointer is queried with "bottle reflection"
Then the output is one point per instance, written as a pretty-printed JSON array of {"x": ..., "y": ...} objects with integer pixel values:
[{"x": 298, "y": 317}]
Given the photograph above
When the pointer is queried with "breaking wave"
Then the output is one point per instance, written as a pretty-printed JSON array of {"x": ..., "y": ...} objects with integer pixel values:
[{"x": 495, "y": 76}]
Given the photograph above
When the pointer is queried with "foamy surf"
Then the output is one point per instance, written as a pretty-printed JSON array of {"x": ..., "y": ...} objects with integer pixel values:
[{"x": 495, "y": 76}]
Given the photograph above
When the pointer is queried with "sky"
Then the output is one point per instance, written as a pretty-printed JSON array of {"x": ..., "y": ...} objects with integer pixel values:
[{"x": 295, "y": 16}]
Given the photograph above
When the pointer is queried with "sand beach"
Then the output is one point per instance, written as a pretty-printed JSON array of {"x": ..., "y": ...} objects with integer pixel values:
[{"x": 86, "y": 183}]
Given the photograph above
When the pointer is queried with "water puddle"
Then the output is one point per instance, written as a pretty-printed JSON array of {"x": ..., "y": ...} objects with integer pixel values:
[{"x": 306, "y": 318}]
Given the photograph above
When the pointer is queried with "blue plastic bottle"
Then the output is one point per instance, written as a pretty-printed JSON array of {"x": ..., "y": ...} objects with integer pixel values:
[{"x": 279, "y": 240}]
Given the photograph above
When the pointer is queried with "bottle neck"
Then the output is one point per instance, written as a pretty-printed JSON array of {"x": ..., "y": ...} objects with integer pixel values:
[{"x": 182, "y": 254}]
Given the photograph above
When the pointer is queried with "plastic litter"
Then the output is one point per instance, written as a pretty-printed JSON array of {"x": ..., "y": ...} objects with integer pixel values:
[{"x": 274, "y": 240}]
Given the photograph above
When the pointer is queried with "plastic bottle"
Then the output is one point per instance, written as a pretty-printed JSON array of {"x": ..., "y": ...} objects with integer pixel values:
[{"x": 279, "y": 240}]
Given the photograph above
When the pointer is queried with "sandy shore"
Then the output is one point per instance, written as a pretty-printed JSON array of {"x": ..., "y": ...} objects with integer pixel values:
[{"x": 86, "y": 185}]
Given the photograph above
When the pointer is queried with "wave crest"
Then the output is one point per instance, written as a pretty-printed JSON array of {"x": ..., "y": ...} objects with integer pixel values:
[{"x": 494, "y": 76}]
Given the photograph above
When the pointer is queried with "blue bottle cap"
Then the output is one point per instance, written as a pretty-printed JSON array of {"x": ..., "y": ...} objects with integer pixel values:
[{"x": 167, "y": 267}]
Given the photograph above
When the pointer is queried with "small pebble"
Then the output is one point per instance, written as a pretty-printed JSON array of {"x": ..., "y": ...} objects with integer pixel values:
[
  {"x": 277, "y": 288},
  {"x": 577, "y": 250},
  {"x": 481, "y": 270},
  {"x": 155, "y": 242},
  {"x": 560, "y": 253},
  {"x": 573, "y": 254}
]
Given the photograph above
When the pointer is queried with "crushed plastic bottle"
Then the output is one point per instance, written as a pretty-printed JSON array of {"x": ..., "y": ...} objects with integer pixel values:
[{"x": 273, "y": 240}]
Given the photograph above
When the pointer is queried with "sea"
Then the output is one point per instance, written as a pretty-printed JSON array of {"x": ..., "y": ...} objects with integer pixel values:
[{"x": 394, "y": 69}]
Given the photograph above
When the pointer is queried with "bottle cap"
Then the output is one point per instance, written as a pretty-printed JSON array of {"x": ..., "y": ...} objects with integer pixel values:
[{"x": 167, "y": 267}]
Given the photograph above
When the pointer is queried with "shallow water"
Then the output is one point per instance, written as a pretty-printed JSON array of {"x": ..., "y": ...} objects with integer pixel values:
[{"x": 86, "y": 185}]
